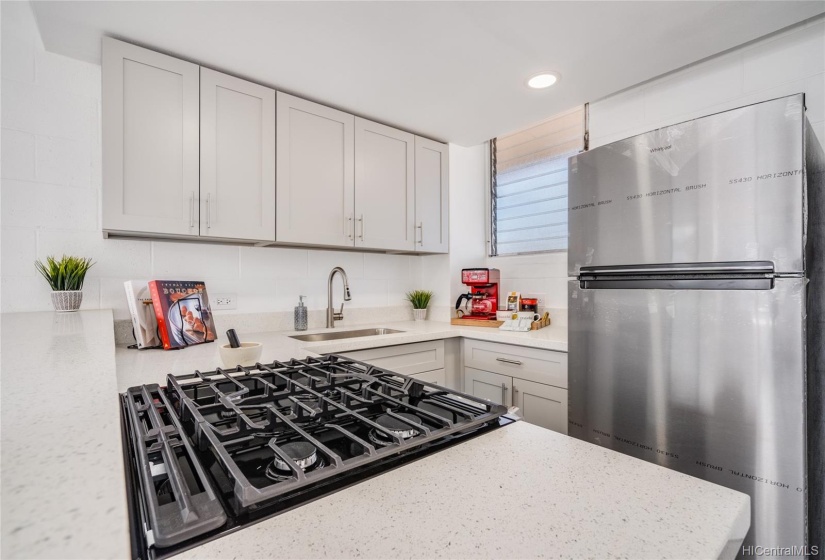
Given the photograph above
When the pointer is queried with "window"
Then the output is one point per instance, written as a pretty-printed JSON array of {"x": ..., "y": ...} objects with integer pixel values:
[{"x": 529, "y": 185}]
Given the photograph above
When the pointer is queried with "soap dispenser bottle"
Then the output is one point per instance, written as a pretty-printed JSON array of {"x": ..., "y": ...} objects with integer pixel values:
[{"x": 301, "y": 315}]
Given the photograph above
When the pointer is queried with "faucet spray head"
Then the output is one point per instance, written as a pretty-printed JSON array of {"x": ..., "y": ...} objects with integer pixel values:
[{"x": 347, "y": 295}]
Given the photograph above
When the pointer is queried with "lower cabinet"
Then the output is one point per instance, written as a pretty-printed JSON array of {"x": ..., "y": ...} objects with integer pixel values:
[
  {"x": 437, "y": 376},
  {"x": 422, "y": 360},
  {"x": 488, "y": 385},
  {"x": 543, "y": 404}
]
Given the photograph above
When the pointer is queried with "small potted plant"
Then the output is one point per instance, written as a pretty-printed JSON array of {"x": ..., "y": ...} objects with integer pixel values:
[
  {"x": 65, "y": 276},
  {"x": 419, "y": 299}
]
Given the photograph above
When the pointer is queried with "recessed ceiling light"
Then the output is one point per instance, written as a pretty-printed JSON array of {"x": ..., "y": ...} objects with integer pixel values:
[{"x": 543, "y": 80}]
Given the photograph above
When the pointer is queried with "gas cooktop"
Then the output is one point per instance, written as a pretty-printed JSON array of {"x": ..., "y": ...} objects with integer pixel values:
[{"x": 214, "y": 451}]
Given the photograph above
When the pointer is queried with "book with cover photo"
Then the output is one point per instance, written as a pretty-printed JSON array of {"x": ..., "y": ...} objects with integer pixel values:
[{"x": 183, "y": 313}]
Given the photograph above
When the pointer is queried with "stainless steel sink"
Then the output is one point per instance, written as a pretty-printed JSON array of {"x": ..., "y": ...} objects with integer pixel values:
[{"x": 337, "y": 335}]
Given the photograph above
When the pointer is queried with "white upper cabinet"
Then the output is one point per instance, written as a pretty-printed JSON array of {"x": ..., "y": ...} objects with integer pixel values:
[
  {"x": 150, "y": 141},
  {"x": 315, "y": 174},
  {"x": 237, "y": 158},
  {"x": 432, "y": 210},
  {"x": 191, "y": 152},
  {"x": 384, "y": 187}
]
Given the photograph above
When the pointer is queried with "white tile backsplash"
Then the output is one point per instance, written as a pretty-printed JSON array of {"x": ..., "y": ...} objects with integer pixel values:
[
  {"x": 41, "y": 205},
  {"x": 396, "y": 267},
  {"x": 63, "y": 161},
  {"x": 46, "y": 112},
  {"x": 287, "y": 291},
  {"x": 25, "y": 294},
  {"x": 266, "y": 263},
  {"x": 18, "y": 247},
  {"x": 197, "y": 261},
  {"x": 321, "y": 262},
  {"x": 122, "y": 258},
  {"x": 17, "y": 159}
]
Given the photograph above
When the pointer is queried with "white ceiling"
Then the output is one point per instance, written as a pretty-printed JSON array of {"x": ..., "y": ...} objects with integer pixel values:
[{"x": 454, "y": 71}]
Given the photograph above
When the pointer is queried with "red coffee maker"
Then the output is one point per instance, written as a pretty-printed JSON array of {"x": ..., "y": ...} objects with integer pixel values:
[{"x": 483, "y": 295}]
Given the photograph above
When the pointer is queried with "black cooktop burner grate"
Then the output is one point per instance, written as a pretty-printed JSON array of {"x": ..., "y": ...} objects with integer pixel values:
[{"x": 262, "y": 435}]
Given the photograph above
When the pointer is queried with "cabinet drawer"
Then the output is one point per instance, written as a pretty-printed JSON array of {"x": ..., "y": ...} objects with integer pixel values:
[
  {"x": 532, "y": 364},
  {"x": 406, "y": 359}
]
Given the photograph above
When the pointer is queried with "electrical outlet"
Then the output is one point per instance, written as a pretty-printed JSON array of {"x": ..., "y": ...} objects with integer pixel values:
[{"x": 226, "y": 301}]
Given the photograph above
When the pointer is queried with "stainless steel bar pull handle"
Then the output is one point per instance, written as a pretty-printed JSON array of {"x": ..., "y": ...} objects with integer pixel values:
[
  {"x": 349, "y": 228},
  {"x": 208, "y": 211},
  {"x": 420, "y": 228},
  {"x": 503, "y": 393},
  {"x": 192, "y": 209},
  {"x": 508, "y": 361},
  {"x": 361, "y": 219}
]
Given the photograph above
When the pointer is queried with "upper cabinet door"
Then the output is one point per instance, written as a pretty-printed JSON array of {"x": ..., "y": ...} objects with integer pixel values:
[
  {"x": 315, "y": 177},
  {"x": 237, "y": 158},
  {"x": 384, "y": 187},
  {"x": 150, "y": 141},
  {"x": 432, "y": 199}
]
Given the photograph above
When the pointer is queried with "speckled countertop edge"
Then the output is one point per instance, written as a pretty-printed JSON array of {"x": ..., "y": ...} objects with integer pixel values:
[{"x": 62, "y": 460}]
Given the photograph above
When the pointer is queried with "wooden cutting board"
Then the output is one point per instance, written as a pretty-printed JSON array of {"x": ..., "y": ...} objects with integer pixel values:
[{"x": 476, "y": 323}]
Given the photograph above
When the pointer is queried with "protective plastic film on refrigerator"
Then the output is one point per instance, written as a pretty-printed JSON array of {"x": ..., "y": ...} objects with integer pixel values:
[{"x": 696, "y": 307}]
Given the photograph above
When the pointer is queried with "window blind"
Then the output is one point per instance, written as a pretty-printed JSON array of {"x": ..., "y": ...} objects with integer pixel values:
[{"x": 529, "y": 185}]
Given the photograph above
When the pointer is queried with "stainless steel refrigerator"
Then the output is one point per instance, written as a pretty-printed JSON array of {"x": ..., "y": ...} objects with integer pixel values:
[{"x": 696, "y": 307}]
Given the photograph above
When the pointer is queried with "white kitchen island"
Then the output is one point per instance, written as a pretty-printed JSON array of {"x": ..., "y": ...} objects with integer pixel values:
[{"x": 517, "y": 492}]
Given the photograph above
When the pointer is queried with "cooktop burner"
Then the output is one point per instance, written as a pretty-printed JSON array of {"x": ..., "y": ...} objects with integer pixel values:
[
  {"x": 303, "y": 454},
  {"x": 216, "y": 450},
  {"x": 402, "y": 425}
]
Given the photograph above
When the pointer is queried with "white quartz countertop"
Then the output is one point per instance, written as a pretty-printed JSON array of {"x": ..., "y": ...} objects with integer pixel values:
[
  {"x": 518, "y": 492},
  {"x": 61, "y": 464},
  {"x": 136, "y": 367}
]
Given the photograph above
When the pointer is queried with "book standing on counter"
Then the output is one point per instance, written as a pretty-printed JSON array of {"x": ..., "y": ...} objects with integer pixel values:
[
  {"x": 142, "y": 312},
  {"x": 182, "y": 312}
]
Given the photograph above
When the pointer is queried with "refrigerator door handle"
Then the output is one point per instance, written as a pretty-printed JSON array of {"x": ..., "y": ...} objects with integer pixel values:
[
  {"x": 722, "y": 282},
  {"x": 741, "y": 267}
]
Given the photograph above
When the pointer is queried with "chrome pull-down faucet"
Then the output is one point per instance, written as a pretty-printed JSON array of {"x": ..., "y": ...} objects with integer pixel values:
[{"x": 332, "y": 316}]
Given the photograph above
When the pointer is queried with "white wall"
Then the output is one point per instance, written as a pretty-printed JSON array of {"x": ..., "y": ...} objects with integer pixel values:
[
  {"x": 783, "y": 64},
  {"x": 50, "y": 177}
]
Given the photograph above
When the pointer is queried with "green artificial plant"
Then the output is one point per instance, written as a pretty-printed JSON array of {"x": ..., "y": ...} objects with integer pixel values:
[
  {"x": 65, "y": 274},
  {"x": 420, "y": 299}
]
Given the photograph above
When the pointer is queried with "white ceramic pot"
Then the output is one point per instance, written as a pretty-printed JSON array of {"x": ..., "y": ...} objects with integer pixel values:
[
  {"x": 247, "y": 355},
  {"x": 419, "y": 314},
  {"x": 67, "y": 301}
]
